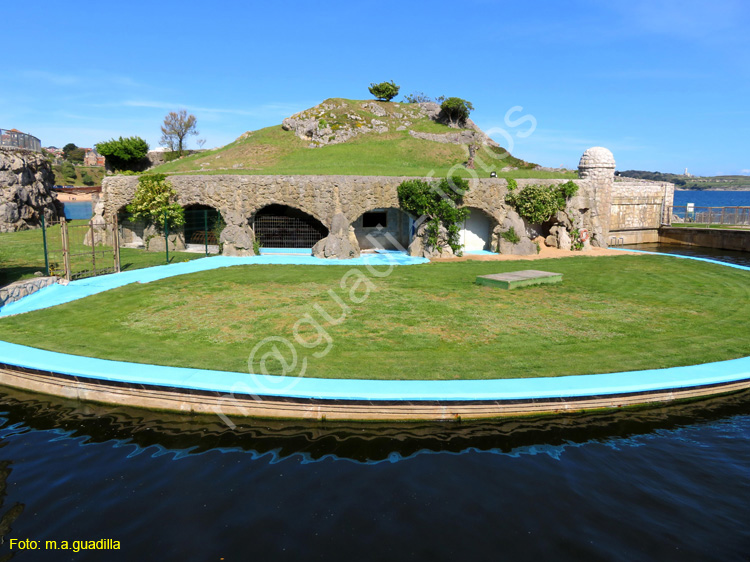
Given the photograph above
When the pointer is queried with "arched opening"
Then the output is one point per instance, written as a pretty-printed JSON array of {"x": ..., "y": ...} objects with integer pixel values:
[
  {"x": 281, "y": 226},
  {"x": 476, "y": 232},
  {"x": 202, "y": 229},
  {"x": 386, "y": 229}
]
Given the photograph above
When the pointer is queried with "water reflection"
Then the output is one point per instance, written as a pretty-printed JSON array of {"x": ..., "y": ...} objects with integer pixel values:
[
  {"x": 178, "y": 434},
  {"x": 729, "y": 256},
  {"x": 7, "y": 518}
]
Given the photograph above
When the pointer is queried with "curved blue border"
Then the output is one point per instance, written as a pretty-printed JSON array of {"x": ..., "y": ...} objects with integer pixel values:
[
  {"x": 354, "y": 389},
  {"x": 60, "y": 294}
]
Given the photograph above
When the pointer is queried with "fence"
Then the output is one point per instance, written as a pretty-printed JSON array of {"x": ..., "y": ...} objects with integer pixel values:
[
  {"x": 17, "y": 139},
  {"x": 75, "y": 249},
  {"x": 709, "y": 217}
]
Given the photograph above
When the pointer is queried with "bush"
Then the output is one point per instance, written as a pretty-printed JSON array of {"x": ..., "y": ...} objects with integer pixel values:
[
  {"x": 154, "y": 201},
  {"x": 439, "y": 202},
  {"x": 511, "y": 236},
  {"x": 123, "y": 154},
  {"x": 537, "y": 203},
  {"x": 456, "y": 110},
  {"x": 385, "y": 91},
  {"x": 87, "y": 179},
  {"x": 68, "y": 171}
]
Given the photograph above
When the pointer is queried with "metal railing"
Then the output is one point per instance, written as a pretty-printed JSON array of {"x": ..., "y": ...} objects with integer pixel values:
[
  {"x": 17, "y": 139},
  {"x": 709, "y": 217}
]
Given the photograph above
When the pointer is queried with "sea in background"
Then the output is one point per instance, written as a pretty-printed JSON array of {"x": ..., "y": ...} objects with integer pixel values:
[
  {"x": 713, "y": 198},
  {"x": 78, "y": 210}
]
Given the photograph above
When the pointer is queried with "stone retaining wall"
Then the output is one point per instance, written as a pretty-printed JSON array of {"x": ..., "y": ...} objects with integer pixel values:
[
  {"x": 15, "y": 291},
  {"x": 638, "y": 208},
  {"x": 721, "y": 239}
]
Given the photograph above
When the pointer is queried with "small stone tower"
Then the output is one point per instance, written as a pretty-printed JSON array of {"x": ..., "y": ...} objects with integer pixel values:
[{"x": 598, "y": 166}]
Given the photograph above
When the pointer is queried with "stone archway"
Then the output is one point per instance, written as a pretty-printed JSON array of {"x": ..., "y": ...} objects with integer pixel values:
[
  {"x": 282, "y": 226},
  {"x": 203, "y": 225}
]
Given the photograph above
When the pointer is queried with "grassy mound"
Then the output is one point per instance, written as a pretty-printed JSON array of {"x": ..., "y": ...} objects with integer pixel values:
[
  {"x": 420, "y": 322},
  {"x": 393, "y": 153}
]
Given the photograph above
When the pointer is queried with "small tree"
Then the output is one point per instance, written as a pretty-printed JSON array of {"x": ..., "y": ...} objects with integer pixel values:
[
  {"x": 385, "y": 91},
  {"x": 178, "y": 125},
  {"x": 154, "y": 201},
  {"x": 456, "y": 111},
  {"x": 439, "y": 202},
  {"x": 123, "y": 154},
  {"x": 87, "y": 179}
]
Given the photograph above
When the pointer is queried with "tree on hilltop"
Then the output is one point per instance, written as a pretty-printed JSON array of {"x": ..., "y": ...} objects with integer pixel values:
[
  {"x": 385, "y": 91},
  {"x": 456, "y": 111},
  {"x": 178, "y": 125}
]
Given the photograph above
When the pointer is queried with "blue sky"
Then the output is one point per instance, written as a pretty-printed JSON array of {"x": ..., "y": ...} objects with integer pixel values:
[{"x": 664, "y": 84}]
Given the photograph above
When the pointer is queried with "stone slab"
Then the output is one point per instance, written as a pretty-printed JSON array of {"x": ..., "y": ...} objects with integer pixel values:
[{"x": 516, "y": 279}]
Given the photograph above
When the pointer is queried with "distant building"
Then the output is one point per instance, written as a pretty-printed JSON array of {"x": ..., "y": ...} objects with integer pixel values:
[{"x": 93, "y": 158}]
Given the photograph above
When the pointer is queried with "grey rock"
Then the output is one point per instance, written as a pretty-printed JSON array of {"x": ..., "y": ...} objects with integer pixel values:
[
  {"x": 341, "y": 243},
  {"x": 26, "y": 180},
  {"x": 563, "y": 239}
]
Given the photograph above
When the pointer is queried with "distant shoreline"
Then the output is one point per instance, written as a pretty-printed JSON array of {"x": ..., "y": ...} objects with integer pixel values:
[
  {"x": 712, "y": 189},
  {"x": 69, "y": 197}
]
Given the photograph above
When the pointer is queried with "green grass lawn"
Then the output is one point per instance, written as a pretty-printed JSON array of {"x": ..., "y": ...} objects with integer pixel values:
[
  {"x": 22, "y": 253},
  {"x": 420, "y": 322}
]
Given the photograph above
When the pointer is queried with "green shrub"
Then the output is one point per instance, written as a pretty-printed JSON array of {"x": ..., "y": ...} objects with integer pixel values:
[
  {"x": 68, "y": 171},
  {"x": 171, "y": 155},
  {"x": 439, "y": 202},
  {"x": 511, "y": 236},
  {"x": 123, "y": 153},
  {"x": 385, "y": 91},
  {"x": 537, "y": 203},
  {"x": 154, "y": 201},
  {"x": 87, "y": 179}
]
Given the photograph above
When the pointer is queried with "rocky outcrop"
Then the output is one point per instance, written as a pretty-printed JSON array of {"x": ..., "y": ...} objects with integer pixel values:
[
  {"x": 336, "y": 121},
  {"x": 464, "y": 137},
  {"x": 521, "y": 244},
  {"x": 26, "y": 179},
  {"x": 341, "y": 243},
  {"x": 421, "y": 246}
]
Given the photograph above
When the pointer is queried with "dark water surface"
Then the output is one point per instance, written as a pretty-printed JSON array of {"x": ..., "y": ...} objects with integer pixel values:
[
  {"x": 665, "y": 484},
  {"x": 660, "y": 484}
]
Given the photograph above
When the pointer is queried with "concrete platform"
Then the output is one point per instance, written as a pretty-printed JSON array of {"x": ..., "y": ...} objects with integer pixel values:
[{"x": 516, "y": 279}]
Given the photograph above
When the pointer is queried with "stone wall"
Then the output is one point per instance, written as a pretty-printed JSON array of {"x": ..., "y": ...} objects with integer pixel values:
[
  {"x": 343, "y": 200},
  {"x": 638, "y": 208},
  {"x": 238, "y": 198},
  {"x": 26, "y": 179},
  {"x": 722, "y": 239},
  {"x": 15, "y": 291}
]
